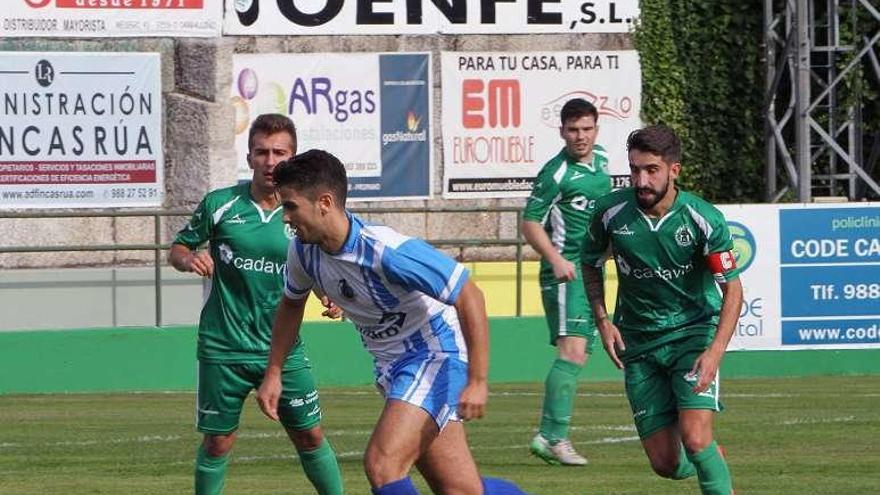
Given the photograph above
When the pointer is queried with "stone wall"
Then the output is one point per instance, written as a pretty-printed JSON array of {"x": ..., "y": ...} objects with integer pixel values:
[{"x": 200, "y": 155}]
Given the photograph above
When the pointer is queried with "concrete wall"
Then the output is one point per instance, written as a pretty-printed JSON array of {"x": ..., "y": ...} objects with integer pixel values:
[{"x": 199, "y": 151}]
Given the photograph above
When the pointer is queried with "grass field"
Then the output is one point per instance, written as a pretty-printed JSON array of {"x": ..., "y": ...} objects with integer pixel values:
[{"x": 782, "y": 436}]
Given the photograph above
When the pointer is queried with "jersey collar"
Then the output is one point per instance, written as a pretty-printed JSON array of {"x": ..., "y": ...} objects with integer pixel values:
[{"x": 354, "y": 231}]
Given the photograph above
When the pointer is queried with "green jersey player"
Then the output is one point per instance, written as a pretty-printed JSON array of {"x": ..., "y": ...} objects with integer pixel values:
[
  {"x": 245, "y": 261},
  {"x": 555, "y": 222},
  {"x": 671, "y": 326}
]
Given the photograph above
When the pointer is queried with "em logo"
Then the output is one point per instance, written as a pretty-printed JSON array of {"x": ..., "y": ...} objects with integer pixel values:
[
  {"x": 498, "y": 102},
  {"x": 744, "y": 246}
]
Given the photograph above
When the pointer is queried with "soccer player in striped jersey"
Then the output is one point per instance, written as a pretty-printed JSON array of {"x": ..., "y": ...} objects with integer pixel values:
[
  {"x": 417, "y": 312},
  {"x": 245, "y": 263},
  {"x": 672, "y": 324},
  {"x": 554, "y": 223}
]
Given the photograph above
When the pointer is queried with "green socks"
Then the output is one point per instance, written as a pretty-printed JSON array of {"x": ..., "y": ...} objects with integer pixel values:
[
  {"x": 685, "y": 467},
  {"x": 210, "y": 472},
  {"x": 322, "y": 469},
  {"x": 559, "y": 391},
  {"x": 712, "y": 471}
]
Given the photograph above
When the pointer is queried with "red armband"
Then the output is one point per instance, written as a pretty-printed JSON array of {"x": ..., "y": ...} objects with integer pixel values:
[{"x": 720, "y": 263}]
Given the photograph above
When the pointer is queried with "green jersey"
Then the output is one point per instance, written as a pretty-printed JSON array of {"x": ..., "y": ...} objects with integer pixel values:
[
  {"x": 249, "y": 249},
  {"x": 563, "y": 199},
  {"x": 665, "y": 280}
]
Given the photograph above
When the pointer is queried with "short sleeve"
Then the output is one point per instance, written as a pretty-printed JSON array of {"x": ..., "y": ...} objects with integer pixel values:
[
  {"x": 297, "y": 281},
  {"x": 595, "y": 243},
  {"x": 545, "y": 192},
  {"x": 199, "y": 228},
  {"x": 416, "y": 265}
]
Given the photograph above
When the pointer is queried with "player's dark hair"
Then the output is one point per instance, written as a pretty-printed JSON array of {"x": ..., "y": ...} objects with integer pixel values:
[
  {"x": 271, "y": 123},
  {"x": 658, "y": 140},
  {"x": 311, "y": 173},
  {"x": 577, "y": 108}
]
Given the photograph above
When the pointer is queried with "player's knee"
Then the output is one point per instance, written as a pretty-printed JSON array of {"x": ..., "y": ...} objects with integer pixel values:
[
  {"x": 664, "y": 468},
  {"x": 218, "y": 445},
  {"x": 305, "y": 440},
  {"x": 696, "y": 441},
  {"x": 380, "y": 467}
]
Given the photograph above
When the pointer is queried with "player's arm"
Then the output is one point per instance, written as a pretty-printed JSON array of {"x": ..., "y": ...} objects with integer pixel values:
[
  {"x": 594, "y": 285},
  {"x": 706, "y": 366},
  {"x": 534, "y": 234},
  {"x": 285, "y": 333},
  {"x": 185, "y": 259},
  {"x": 471, "y": 308}
]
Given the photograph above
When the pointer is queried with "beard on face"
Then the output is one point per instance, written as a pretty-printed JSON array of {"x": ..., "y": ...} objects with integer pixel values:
[{"x": 648, "y": 202}]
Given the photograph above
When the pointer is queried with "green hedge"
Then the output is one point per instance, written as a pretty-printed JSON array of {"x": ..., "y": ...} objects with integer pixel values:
[{"x": 702, "y": 74}]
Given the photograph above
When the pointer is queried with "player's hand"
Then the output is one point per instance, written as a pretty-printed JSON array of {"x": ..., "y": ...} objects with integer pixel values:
[
  {"x": 472, "y": 402},
  {"x": 331, "y": 310},
  {"x": 564, "y": 270},
  {"x": 612, "y": 341},
  {"x": 705, "y": 369},
  {"x": 201, "y": 263},
  {"x": 268, "y": 395}
]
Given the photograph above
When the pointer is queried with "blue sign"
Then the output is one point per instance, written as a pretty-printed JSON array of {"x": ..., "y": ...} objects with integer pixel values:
[
  {"x": 825, "y": 332},
  {"x": 852, "y": 290},
  {"x": 832, "y": 235},
  {"x": 405, "y": 130}
]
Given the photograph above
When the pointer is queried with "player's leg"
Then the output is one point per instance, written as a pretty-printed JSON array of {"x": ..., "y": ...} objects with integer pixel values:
[
  {"x": 220, "y": 394},
  {"x": 404, "y": 431},
  {"x": 573, "y": 333},
  {"x": 449, "y": 468},
  {"x": 299, "y": 411},
  {"x": 697, "y": 413},
  {"x": 656, "y": 416}
]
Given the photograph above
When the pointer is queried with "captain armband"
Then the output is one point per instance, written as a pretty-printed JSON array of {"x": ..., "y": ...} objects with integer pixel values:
[{"x": 720, "y": 264}]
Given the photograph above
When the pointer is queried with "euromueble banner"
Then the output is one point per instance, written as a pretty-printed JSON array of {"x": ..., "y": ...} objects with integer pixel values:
[
  {"x": 106, "y": 18},
  {"x": 371, "y": 110},
  {"x": 501, "y": 115},
  {"x": 811, "y": 278},
  {"x": 80, "y": 130}
]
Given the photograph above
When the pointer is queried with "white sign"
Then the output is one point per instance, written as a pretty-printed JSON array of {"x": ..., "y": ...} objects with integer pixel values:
[
  {"x": 80, "y": 130},
  {"x": 304, "y": 17},
  {"x": 501, "y": 115},
  {"x": 104, "y": 18},
  {"x": 811, "y": 277},
  {"x": 371, "y": 110}
]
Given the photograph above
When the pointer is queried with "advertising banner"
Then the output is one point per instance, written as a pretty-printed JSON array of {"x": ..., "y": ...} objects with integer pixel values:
[
  {"x": 371, "y": 110},
  {"x": 80, "y": 130},
  {"x": 501, "y": 115},
  {"x": 812, "y": 275},
  {"x": 105, "y": 18},
  {"x": 348, "y": 17}
]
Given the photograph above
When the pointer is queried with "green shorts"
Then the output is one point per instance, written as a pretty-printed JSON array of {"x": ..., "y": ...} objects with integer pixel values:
[
  {"x": 568, "y": 312},
  {"x": 658, "y": 385},
  {"x": 223, "y": 388}
]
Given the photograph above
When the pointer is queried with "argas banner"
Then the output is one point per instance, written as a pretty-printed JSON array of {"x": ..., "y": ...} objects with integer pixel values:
[
  {"x": 80, "y": 130},
  {"x": 811, "y": 278},
  {"x": 104, "y": 18},
  {"x": 501, "y": 115},
  {"x": 371, "y": 110},
  {"x": 304, "y": 17}
]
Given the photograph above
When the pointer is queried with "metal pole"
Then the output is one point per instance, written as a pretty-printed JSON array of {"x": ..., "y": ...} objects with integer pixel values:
[
  {"x": 770, "y": 66},
  {"x": 157, "y": 255},
  {"x": 802, "y": 89}
]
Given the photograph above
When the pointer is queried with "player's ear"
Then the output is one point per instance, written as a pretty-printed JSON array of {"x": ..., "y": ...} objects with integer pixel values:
[
  {"x": 325, "y": 202},
  {"x": 674, "y": 170}
]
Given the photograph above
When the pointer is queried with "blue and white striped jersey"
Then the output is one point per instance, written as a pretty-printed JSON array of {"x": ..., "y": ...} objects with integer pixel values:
[{"x": 397, "y": 290}]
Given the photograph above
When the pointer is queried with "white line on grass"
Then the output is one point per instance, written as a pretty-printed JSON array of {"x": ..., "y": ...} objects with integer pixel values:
[{"x": 814, "y": 421}]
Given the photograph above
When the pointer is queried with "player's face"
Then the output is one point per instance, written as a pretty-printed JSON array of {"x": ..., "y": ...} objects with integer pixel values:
[
  {"x": 269, "y": 150},
  {"x": 652, "y": 177},
  {"x": 579, "y": 135},
  {"x": 304, "y": 214}
]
